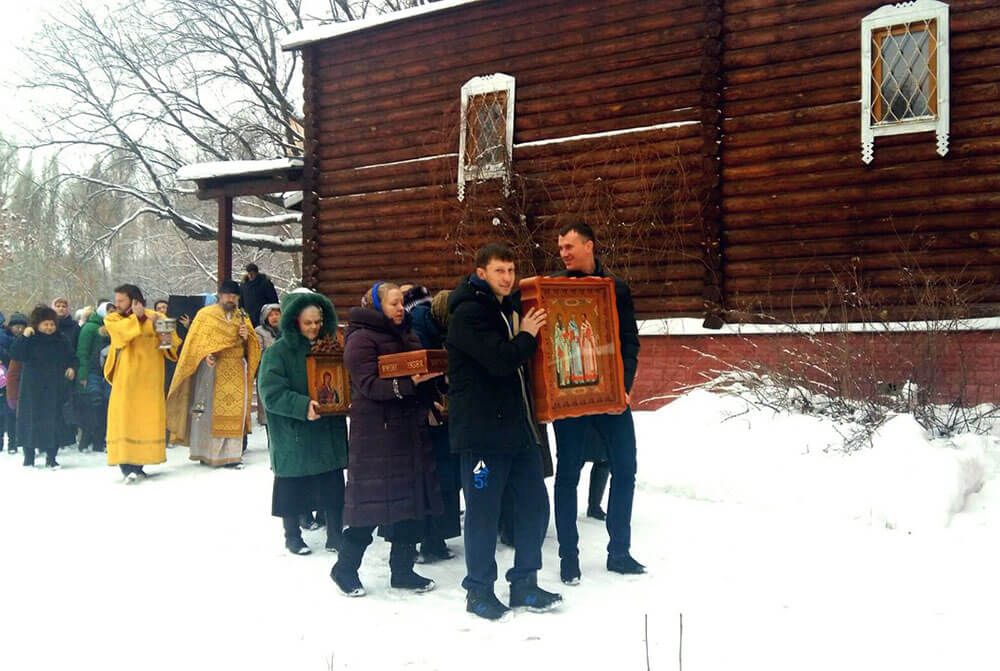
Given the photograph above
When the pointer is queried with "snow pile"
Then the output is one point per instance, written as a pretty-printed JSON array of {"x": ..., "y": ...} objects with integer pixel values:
[{"x": 722, "y": 448}]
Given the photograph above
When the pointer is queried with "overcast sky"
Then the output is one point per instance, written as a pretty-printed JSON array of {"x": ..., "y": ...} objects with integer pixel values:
[{"x": 21, "y": 20}]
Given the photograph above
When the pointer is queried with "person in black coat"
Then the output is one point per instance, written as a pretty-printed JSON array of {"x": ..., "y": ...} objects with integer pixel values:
[
  {"x": 67, "y": 326},
  {"x": 46, "y": 367},
  {"x": 430, "y": 323},
  {"x": 391, "y": 480},
  {"x": 256, "y": 291},
  {"x": 576, "y": 249},
  {"x": 492, "y": 429},
  {"x": 9, "y": 332}
]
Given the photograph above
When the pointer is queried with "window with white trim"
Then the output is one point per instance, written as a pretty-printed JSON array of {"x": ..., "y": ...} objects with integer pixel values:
[
  {"x": 487, "y": 131},
  {"x": 904, "y": 73}
]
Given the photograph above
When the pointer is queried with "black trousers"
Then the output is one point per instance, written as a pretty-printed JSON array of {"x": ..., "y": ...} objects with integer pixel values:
[{"x": 484, "y": 479}]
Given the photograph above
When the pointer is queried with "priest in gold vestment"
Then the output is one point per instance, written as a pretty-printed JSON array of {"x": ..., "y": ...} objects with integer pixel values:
[
  {"x": 208, "y": 405},
  {"x": 134, "y": 367}
]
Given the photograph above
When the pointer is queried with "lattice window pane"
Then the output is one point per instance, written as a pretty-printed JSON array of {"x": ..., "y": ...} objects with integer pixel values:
[
  {"x": 485, "y": 145},
  {"x": 904, "y": 72}
]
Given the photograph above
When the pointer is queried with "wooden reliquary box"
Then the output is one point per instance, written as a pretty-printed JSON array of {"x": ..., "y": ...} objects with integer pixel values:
[
  {"x": 577, "y": 368},
  {"x": 329, "y": 384},
  {"x": 414, "y": 362}
]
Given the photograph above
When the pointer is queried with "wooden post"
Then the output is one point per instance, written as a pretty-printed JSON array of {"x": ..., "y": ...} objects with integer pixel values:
[{"x": 225, "y": 263}]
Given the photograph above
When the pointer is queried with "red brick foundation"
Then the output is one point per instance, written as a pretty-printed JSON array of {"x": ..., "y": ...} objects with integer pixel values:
[{"x": 958, "y": 365}]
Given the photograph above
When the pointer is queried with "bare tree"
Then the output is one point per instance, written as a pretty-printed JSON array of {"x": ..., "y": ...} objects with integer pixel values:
[{"x": 172, "y": 82}]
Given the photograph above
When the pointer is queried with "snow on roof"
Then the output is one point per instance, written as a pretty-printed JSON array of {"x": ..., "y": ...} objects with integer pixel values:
[
  {"x": 219, "y": 169},
  {"x": 324, "y": 31},
  {"x": 291, "y": 199}
]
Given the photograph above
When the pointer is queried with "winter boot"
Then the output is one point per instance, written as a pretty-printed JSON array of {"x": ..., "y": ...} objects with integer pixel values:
[
  {"x": 599, "y": 474},
  {"x": 307, "y": 522},
  {"x": 432, "y": 551},
  {"x": 345, "y": 572},
  {"x": 29, "y": 456},
  {"x": 293, "y": 537},
  {"x": 625, "y": 565},
  {"x": 525, "y": 593},
  {"x": 486, "y": 605},
  {"x": 334, "y": 530},
  {"x": 401, "y": 557},
  {"x": 569, "y": 570},
  {"x": 50, "y": 460}
]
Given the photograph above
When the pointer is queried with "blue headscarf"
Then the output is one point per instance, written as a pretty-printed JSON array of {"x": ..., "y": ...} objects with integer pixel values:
[{"x": 376, "y": 303}]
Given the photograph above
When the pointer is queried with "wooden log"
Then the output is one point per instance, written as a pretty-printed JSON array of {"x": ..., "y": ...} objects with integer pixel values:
[
  {"x": 817, "y": 66},
  {"x": 895, "y": 155},
  {"x": 442, "y": 111},
  {"x": 986, "y": 127},
  {"x": 793, "y": 101},
  {"x": 902, "y": 227},
  {"x": 480, "y": 27},
  {"x": 537, "y": 45},
  {"x": 531, "y": 58},
  {"x": 869, "y": 209},
  {"x": 663, "y": 172},
  {"x": 844, "y": 77},
  {"x": 334, "y": 157},
  {"x": 879, "y": 278},
  {"x": 771, "y": 16},
  {"x": 862, "y": 244},
  {"x": 890, "y": 172}
]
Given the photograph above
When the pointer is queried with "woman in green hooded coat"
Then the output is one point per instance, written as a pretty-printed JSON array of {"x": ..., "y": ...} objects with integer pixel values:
[{"x": 308, "y": 451}]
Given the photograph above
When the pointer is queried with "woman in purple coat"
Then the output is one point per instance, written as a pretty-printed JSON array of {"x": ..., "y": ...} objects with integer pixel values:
[{"x": 391, "y": 481}]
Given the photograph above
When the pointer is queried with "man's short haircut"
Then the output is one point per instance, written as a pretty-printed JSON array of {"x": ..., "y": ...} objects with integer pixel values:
[
  {"x": 581, "y": 229},
  {"x": 494, "y": 251},
  {"x": 252, "y": 268},
  {"x": 132, "y": 291}
]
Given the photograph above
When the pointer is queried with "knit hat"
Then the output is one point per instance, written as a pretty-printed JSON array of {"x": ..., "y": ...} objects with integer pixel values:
[
  {"x": 229, "y": 287},
  {"x": 17, "y": 318}
]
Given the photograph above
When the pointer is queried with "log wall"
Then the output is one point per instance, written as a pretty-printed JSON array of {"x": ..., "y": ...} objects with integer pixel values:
[
  {"x": 803, "y": 217},
  {"x": 384, "y": 116},
  {"x": 745, "y": 194}
]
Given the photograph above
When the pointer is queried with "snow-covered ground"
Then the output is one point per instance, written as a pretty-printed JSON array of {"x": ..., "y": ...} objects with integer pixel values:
[{"x": 779, "y": 551}]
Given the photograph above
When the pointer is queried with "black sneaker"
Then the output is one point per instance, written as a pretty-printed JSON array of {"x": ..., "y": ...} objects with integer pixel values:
[
  {"x": 528, "y": 595},
  {"x": 569, "y": 571},
  {"x": 412, "y": 582},
  {"x": 487, "y": 606},
  {"x": 348, "y": 584},
  {"x": 52, "y": 465},
  {"x": 297, "y": 546},
  {"x": 625, "y": 565}
]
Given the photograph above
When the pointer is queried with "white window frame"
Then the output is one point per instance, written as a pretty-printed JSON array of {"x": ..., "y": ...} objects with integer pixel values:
[
  {"x": 477, "y": 86},
  {"x": 888, "y": 16}
]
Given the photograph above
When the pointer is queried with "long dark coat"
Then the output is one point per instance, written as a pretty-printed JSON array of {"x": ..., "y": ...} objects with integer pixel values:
[
  {"x": 42, "y": 388},
  {"x": 255, "y": 294},
  {"x": 391, "y": 475}
]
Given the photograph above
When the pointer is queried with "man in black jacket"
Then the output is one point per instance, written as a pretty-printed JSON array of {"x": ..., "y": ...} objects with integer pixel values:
[
  {"x": 256, "y": 291},
  {"x": 493, "y": 431},
  {"x": 576, "y": 249}
]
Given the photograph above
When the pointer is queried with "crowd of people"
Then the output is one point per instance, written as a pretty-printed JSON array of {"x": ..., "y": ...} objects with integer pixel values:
[{"x": 129, "y": 380}]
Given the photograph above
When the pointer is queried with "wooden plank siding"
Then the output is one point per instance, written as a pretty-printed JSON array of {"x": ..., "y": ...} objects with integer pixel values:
[
  {"x": 383, "y": 111},
  {"x": 715, "y": 147},
  {"x": 803, "y": 217}
]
